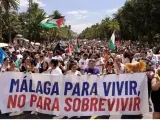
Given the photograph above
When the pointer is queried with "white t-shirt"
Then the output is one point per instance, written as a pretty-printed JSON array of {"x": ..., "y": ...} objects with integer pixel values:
[
  {"x": 48, "y": 60},
  {"x": 99, "y": 62},
  {"x": 83, "y": 63},
  {"x": 56, "y": 71},
  {"x": 125, "y": 60},
  {"x": 73, "y": 73},
  {"x": 120, "y": 70},
  {"x": 19, "y": 56},
  {"x": 3, "y": 68}
]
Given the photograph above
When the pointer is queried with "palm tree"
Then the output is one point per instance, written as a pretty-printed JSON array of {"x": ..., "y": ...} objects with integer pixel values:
[
  {"x": 113, "y": 25},
  {"x": 36, "y": 16},
  {"x": 55, "y": 32},
  {"x": 0, "y": 22},
  {"x": 7, "y": 5},
  {"x": 56, "y": 14}
]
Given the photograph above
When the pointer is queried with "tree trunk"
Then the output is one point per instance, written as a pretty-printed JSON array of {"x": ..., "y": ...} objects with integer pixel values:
[
  {"x": 9, "y": 27},
  {"x": 0, "y": 25},
  {"x": 150, "y": 37}
]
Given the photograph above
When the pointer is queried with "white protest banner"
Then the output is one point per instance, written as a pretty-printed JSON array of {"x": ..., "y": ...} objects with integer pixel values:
[{"x": 74, "y": 95}]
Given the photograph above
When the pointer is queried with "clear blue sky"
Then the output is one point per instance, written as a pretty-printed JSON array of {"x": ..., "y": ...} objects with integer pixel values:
[{"x": 79, "y": 13}]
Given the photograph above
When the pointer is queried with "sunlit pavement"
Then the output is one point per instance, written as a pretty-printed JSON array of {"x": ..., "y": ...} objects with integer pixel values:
[
  {"x": 29, "y": 116},
  {"x": 145, "y": 116}
]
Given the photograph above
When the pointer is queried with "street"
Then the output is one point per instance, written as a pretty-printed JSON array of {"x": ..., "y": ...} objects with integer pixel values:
[{"x": 145, "y": 116}]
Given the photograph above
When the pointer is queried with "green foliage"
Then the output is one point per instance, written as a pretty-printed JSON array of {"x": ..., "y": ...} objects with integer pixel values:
[
  {"x": 27, "y": 23},
  {"x": 102, "y": 30},
  {"x": 6, "y": 6},
  {"x": 136, "y": 20}
]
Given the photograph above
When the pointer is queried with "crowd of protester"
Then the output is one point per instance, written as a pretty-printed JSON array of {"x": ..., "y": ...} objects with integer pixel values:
[{"x": 94, "y": 58}]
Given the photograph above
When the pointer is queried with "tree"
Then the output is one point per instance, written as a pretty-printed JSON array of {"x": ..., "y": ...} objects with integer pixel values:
[
  {"x": 27, "y": 24},
  {"x": 139, "y": 19},
  {"x": 136, "y": 20},
  {"x": 60, "y": 33},
  {"x": 102, "y": 30},
  {"x": 56, "y": 14},
  {"x": 1, "y": 20},
  {"x": 36, "y": 16},
  {"x": 7, "y": 5}
]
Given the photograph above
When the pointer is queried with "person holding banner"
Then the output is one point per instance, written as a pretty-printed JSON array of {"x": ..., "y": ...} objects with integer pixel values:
[
  {"x": 83, "y": 62},
  {"x": 92, "y": 70},
  {"x": 119, "y": 68},
  {"x": 44, "y": 67},
  {"x": 99, "y": 62},
  {"x": 54, "y": 68},
  {"x": 134, "y": 67},
  {"x": 155, "y": 95},
  {"x": 5, "y": 65},
  {"x": 126, "y": 57},
  {"x": 110, "y": 66},
  {"x": 150, "y": 74},
  {"x": 73, "y": 69},
  {"x": 13, "y": 67},
  {"x": 28, "y": 66}
]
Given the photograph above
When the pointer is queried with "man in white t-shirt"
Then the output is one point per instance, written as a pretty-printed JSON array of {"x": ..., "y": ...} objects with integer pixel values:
[
  {"x": 119, "y": 68},
  {"x": 100, "y": 64},
  {"x": 54, "y": 69},
  {"x": 83, "y": 63}
]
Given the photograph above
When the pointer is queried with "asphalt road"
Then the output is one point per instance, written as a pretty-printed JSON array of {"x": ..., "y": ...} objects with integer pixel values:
[
  {"x": 42, "y": 116},
  {"x": 145, "y": 116}
]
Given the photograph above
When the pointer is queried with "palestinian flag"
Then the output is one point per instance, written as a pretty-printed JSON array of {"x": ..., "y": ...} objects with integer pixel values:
[
  {"x": 77, "y": 46},
  {"x": 52, "y": 23},
  {"x": 70, "y": 49},
  {"x": 112, "y": 42}
]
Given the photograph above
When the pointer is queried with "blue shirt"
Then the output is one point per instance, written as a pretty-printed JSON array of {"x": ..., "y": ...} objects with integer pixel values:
[{"x": 94, "y": 71}]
